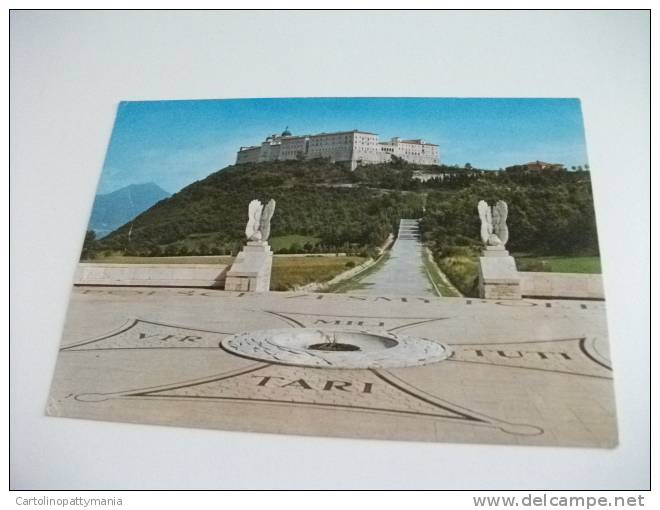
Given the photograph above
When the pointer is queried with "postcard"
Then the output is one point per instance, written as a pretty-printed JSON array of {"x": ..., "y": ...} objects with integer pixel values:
[{"x": 420, "y": 269}]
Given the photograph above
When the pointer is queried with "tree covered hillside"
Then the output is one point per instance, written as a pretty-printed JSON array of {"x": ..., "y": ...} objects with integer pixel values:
[
  {"x": 550, "y": 213},
  {"x": 314, "y": 198}
]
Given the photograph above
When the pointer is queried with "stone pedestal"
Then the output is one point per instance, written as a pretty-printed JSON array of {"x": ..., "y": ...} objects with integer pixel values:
[
  {"x": 251, "y": 270},
  {"x": 498, "y": 275}
]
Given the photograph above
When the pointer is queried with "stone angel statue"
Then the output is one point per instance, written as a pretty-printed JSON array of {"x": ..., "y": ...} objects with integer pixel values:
[
  {"x": 494, "y": 231},
  {"x": 258, "y": 225}
]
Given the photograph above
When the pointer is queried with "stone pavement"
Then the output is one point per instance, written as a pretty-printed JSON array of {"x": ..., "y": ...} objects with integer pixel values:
[
  {"x": 403, "y": 272},
  {"x": 534, "y": 372}
]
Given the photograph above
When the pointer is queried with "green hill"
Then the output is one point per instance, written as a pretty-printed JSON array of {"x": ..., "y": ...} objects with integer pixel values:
[
  {"x": 324, "y": 207},
  {"x": 315, "y": 198}
]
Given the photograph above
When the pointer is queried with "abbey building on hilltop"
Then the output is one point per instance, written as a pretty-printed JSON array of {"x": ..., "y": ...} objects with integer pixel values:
[{"x": 355, "y": 147}]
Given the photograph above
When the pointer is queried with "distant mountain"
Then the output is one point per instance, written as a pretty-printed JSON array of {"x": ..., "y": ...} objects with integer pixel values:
[{"x": 112, "y": 210}]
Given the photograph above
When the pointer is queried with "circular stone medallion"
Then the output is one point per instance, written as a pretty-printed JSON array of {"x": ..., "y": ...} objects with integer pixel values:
[{"x": 328, "y": 348}]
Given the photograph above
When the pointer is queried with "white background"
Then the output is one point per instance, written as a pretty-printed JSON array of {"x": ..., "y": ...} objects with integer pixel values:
[{"x": 70, "y": 69}]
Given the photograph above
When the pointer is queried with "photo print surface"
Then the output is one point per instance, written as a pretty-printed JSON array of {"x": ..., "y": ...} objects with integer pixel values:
[{"x": 418, "y": 269}]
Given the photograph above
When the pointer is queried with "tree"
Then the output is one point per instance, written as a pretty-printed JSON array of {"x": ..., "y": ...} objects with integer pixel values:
[{"x": 90, "y": 246}]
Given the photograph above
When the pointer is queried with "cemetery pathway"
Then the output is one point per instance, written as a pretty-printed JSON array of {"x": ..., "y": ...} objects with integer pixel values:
[{"x": 403, "y": 273}]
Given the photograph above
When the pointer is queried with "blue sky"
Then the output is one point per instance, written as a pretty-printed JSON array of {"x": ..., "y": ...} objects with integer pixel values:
[{"x": 174, "y": 143}]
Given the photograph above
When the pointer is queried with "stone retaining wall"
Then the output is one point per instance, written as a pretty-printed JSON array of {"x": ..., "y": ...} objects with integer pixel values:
[
  {"x": 562, "y": 285},
  {"x": 151, "y": 275}
]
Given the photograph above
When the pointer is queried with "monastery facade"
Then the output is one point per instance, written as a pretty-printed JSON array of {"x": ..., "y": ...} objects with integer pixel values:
[{"x": 355, "y": 147}]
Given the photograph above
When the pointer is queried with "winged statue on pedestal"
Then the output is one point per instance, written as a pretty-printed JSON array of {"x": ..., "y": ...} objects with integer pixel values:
[
  {"x": 494, "y": 231},
  {"x": 259, "y": 216}
]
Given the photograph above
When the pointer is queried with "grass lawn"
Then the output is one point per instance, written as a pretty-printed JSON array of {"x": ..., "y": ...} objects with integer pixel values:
[
  {"x": 432, "y": 271},
  {"x": 291, "y": 272},
  {"x": 285, "y": 242},
  {"x": 356, "y": 281},
  {"x": 463, "y": 272},
  {"x": 559, "y": 264}
]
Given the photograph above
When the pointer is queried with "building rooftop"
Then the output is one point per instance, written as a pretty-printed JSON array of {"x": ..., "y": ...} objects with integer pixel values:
[
  {"x": 289, "y": 136},
  {"x": 345, "y": 132},
  {"x": 419, "y": 141}
]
